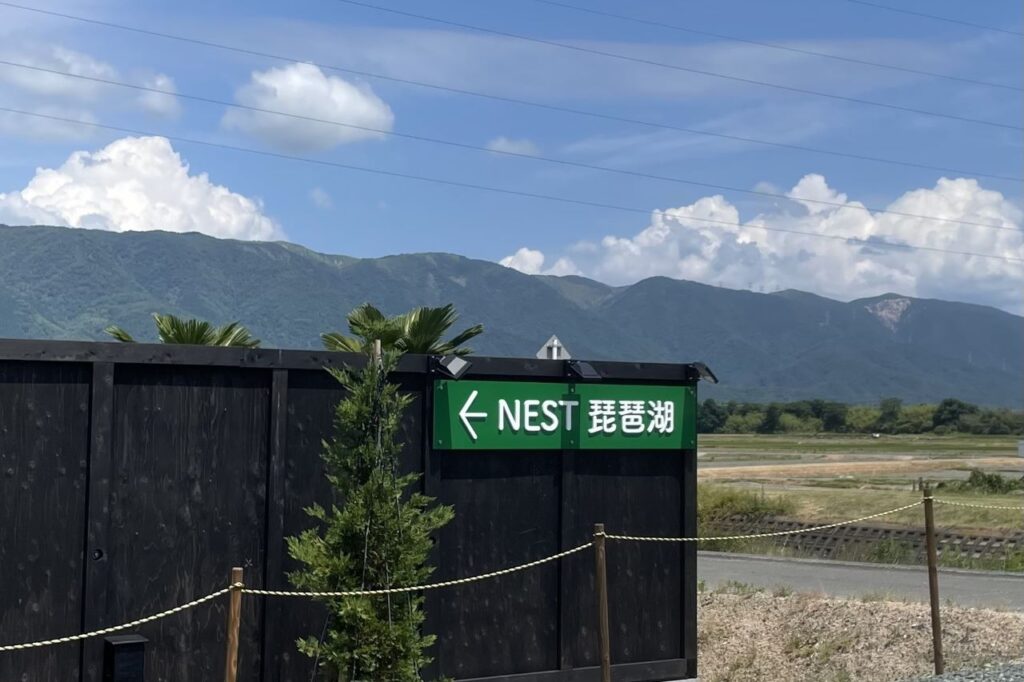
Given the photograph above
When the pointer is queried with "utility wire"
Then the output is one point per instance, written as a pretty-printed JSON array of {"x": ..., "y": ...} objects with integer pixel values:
[
  {"x": 513, "y": 100},
  {"x": 901, "y": 10},
  {"x": 677, "y": 67},
  {"x": 478, "y": 148},
  {"x": 774, "y": 46},
  {"x": 501, "y": 190}
]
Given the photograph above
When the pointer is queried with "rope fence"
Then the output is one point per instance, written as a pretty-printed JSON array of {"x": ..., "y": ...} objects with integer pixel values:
[
  {"x": 977, "y": 506},
  {"x": 118, "y": 628},
  {"x": 795, "y": 531},
  {"x": 420, "y": 588},
  {"x": 599, "y": 536}
]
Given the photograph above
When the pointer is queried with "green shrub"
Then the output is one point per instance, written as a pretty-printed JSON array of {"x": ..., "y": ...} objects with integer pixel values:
[
  {"x": 378, "y": 538},
  {"x": 743, "y": 423},
  {"x": 986, "y": 483},
  {"x": 717, "y": 503},
  {"x": 789, "y": 423}
]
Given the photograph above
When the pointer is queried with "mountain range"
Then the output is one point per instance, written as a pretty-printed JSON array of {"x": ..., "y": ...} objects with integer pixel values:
[{"x": 63, "y": 283}]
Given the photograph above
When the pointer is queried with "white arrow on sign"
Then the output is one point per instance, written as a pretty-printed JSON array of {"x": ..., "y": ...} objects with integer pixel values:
[{"x": 465, "y": 414}]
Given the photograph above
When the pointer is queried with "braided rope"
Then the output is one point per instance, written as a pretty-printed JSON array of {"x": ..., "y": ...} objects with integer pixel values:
[
  {"x": 125, "y": 626},
  {"x": 419, "y": 588},
  {"x": 977, "y": 506},
  {"x": 477, "y": 578},
  {"x": 795, "y": 531}
]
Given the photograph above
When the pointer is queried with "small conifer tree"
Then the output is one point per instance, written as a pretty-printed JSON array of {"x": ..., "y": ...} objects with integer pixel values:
[{"x": 377, "y": 538}]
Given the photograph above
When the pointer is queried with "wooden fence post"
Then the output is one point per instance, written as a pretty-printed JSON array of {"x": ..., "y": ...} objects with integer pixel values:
[
  {"x": 933, "y": 577},
  {"x": 601, "y": 583},
  {"x": 234, "y": 621}
]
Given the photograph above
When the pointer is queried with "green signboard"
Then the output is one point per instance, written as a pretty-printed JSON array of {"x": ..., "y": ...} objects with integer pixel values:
[{"x": 517, "y": 415}]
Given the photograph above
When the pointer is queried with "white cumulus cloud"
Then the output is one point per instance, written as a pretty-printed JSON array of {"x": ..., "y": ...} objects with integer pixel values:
[
  {"x": 304, "y": 89},
  {"x": 135, "y": 183},
  {"x": 709, "y": 241},
  {"x": 52, "y": 84},
  {"x": 511, "y": 146},
  {"x": 159, "y": 103},
  {"x": 45, "y": 90},
  {"x": 531, "y": 262},
  {"x": 814, "y": 194}
]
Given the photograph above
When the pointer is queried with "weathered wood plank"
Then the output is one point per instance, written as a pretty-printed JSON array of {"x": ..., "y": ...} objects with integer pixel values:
[
  {"x": 44, "y": 436},
  {"x": 97, "y": 567},
  {"x": 272, "y": 609},
  {"x": 638, "y": 493},
  {"x": 187, "y": 504},
  {"x": 507, "y": 512}
]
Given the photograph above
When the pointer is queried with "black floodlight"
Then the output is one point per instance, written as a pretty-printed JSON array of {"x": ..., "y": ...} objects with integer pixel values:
[
  {"x": 705, "y": 372},
  {"x": 583, "y": 370},
  {"x": 453, "y": 366},
  {"x": 124, "y": 658}
]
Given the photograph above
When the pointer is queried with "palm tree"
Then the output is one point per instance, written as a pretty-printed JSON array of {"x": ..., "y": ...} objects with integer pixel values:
[
  {"x": 418, "y": 331},
  {"x": 172, "y": 329}
]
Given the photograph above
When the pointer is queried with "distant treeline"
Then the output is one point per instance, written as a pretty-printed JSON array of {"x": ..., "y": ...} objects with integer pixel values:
[{"x": 889, "y": 416}]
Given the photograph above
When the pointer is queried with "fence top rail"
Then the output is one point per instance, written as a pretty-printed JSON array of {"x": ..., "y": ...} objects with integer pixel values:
[{"x": 483, "y": 367}]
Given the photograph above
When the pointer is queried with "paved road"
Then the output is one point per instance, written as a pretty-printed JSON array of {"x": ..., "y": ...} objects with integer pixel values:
[{"x": 846, "y": 579}]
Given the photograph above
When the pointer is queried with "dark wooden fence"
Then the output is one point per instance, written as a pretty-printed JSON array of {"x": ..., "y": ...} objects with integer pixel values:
[{"x": 133, "y": 477}]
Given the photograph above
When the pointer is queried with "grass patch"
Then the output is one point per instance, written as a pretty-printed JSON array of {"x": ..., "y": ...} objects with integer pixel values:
[
  {"x": 738, "y": 588},
  {"x": 799, "y": 645},
  {"x": 859, "y": 443},
  {"x": 829, "y": 505},
  {"x": 984, "y": 483},
  {"x": 1011, "y": 561},
  {"x": 877, "y": 596},
  {"x": 718, "y": 502},
  {"x": 857, "y": 482}
]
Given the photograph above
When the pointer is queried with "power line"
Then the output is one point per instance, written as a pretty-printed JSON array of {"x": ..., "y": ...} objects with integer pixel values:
[
  {"x": 478, "y": 148},
  {"x": 513, "y": 100},
  {"x": 501, "y": 190},
  {"x": 677, "y": 67},
  {"x": 774, "y": 46},
  {"x": 934, "y": 16}
]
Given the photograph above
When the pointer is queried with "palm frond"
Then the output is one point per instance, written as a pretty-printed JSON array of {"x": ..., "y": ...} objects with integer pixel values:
[
  {"x": 234, "y": 334},
  {"x": 369, "y": 324},
  {"x": 192, "y": 332},
  {"x": 365, "y": 319},
  {"x": 455, "y": 344},
  {"x": 337, "y": 341},
  {"x": 119, "y": 334},
  {"x": 421, "y": 331},
  {"x": 424, "y": 327}
]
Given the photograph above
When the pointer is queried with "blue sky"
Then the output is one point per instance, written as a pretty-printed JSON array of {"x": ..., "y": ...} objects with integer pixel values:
[{"x": 359, "y": 214}]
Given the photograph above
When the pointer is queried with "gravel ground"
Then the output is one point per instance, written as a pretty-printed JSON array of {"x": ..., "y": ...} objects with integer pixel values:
[
  {"x": 1010, "y": 672},
  {"x": 748, "y": 636}
]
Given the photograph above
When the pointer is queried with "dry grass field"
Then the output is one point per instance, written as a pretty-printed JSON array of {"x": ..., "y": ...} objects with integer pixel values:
[
  {"x": 746, "y": 635},
  {"x": 832, "y": 478}
]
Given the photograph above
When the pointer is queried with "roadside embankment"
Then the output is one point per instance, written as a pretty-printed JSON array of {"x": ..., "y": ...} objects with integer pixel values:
[{"x": 747, "y": 635}]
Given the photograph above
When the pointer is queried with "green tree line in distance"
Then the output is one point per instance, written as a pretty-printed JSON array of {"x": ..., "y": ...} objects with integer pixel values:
[{"x": 890, "y": 416}]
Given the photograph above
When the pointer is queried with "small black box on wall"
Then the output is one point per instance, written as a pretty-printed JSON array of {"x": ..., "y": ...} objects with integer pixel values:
[{"x": 124, "y": 658}]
